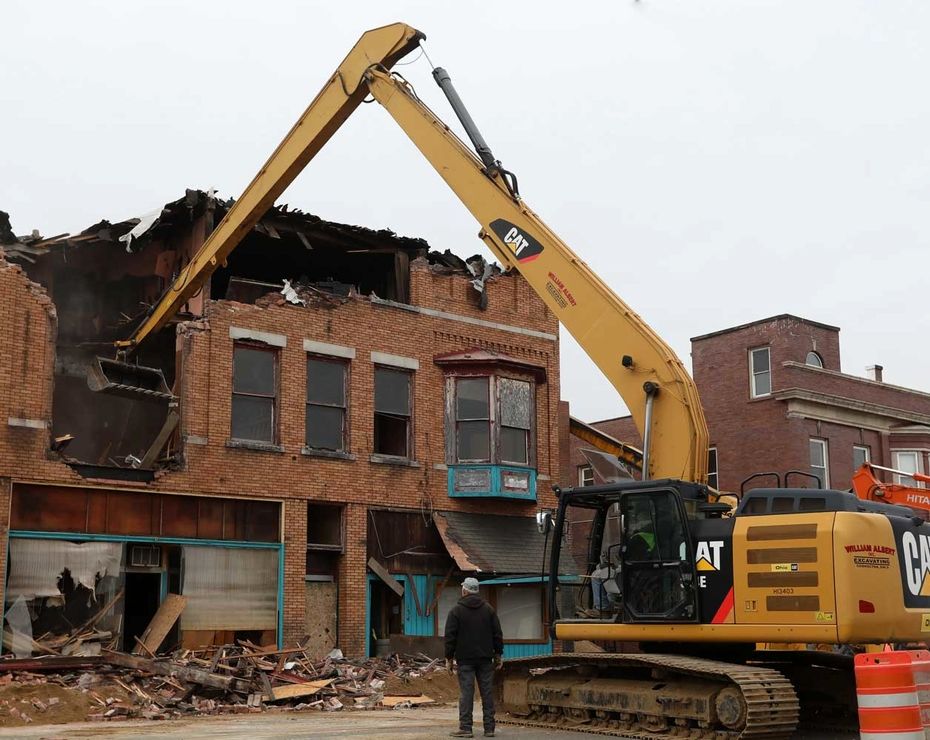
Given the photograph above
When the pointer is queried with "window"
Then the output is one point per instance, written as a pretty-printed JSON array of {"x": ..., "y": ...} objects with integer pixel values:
[
  {"x": 907, "y": 461},
  {"x": 712, "y": 478},
  {"x": 490, "y": 420},
  {"x": 473, "y": 419},
  {"x": 861, "y": 455},
  {"x": 326, "y": 404},
  {"x": 520, "y": 612},
  {"x": 392, "y": 412},
  {"x": 820, "y": 461},
  {"x": 813, "y": 359},
  {"x": 254, "y": 398},
  {"x": 760, "y": 372},
  {"x": 585, "y": 475},
  {"x": 515, "y": 410},
  {"x": 324, "y": 527}
]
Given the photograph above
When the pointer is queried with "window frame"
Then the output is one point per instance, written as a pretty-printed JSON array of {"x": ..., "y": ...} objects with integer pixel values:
[
  {"x": 583, "y": 477},
  {"x": 346, "y": 384},
  {"x": 825, "y": 449},
  {"x": 918, "y": 467},
  {"x": 817, "y": 355},
  {"x": 867, "y": 458},
  {"x": 753, "y": 393},
  {"x": 276, "y": 383},
  {"x": 409, "y": 373},
  {"x": 489, "y": 594},
  {"x": 489, "y": 419},
  {"x": 713, "y": 471},
  {"x": 495, "y": 421}
]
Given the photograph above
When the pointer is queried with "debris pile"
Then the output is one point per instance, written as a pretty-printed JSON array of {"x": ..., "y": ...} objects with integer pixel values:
[{"x": 214, "y": 680}]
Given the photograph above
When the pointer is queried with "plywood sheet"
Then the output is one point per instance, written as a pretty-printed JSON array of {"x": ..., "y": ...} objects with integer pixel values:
[
  {"x": 390, "y": 701},
  {"x": 161, "y": 624},
  {"x": 320, "y": 619},
  {"x": 291, "y": 691}
]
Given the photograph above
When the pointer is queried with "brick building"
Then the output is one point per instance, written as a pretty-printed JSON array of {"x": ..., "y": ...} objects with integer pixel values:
[
  {"x": 349, "y": 423},
  {"x": 777, "y": 400}
]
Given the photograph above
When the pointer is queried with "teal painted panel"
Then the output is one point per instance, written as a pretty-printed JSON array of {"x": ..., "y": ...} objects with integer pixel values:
[
  {"x": 527, "y": 649},
  {"x": 416, "y": 624},
  {"x": 487, "y": 481}
]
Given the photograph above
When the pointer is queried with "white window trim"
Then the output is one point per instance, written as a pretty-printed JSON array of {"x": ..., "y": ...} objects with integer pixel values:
[
  {"x": 919, "y": 455},
  {"x": 753, "y": 373},
  {"x": 273, "y": 340},
  {"x": 405, "y": 363},
  {"x": 328, "y": 350},
  {"x": 582, "y": 469},
  {"x": 864, "y": 448},
  {"x": 716, "y": 472},
  {"x": 826, "y": 460}
]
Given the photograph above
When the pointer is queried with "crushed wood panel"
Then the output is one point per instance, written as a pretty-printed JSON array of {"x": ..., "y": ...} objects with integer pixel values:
[{"x": 161, "y": 624}]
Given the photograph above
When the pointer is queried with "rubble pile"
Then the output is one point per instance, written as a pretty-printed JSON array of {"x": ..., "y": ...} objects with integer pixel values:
[{"x": 211, "y": 680}]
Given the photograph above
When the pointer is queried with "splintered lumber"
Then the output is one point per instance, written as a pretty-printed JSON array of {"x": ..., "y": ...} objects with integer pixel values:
[
  {"x": 392, "y": 583},
  {"x": 161, "y": 624},
  {"x": 293, "y": 690},
  {"x": 166, "y": 668}
]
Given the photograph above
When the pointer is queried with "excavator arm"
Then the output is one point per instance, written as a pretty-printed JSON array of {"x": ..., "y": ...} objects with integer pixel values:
[{"x": 647, "y": 374}]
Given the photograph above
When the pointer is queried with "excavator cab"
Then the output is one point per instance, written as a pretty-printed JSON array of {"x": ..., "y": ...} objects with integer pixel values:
[{"x": 639, "y": 564}]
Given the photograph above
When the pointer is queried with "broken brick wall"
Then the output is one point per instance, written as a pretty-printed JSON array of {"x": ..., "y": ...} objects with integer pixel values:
[{"x": 212, "y": 464}]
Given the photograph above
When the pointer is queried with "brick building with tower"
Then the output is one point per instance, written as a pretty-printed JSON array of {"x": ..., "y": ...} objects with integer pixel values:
[{"x": 349, "y": 423}]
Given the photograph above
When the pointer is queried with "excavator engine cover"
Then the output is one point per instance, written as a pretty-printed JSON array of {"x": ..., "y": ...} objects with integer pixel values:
[{"x": 127, "y": 380}]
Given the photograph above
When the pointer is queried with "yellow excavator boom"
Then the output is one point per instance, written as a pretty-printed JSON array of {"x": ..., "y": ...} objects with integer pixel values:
[{"x": 647, "y": 374}]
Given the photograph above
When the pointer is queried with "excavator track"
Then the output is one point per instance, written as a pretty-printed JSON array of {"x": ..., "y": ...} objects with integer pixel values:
[{"x": 649, "y": 696}]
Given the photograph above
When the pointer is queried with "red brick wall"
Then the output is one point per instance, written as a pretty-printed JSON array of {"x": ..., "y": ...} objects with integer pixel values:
[
  {"x": 757, "y": 435},
  {"x": 205, "y": 369}
]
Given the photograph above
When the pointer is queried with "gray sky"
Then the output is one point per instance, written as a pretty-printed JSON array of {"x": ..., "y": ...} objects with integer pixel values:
[{"x": 715, "y": 162}]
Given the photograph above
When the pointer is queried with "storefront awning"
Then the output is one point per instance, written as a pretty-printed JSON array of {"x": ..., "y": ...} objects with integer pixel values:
[{"x": 481, "y": 543}]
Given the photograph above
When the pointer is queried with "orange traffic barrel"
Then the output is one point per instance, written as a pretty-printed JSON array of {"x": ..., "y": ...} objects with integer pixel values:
[
  {"x": 920, "y": 661},
  {"x": 887, "y": 696}
]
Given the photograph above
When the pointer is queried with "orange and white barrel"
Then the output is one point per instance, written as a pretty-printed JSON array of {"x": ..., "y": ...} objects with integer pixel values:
[
  {"x": 920, "y": 662},
  {"x": 889, "y": 708}
]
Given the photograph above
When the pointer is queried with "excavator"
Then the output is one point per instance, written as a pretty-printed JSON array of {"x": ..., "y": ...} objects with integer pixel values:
[
  {"x": 674, "y": 588},
  {"x": 867, "y": 486}
]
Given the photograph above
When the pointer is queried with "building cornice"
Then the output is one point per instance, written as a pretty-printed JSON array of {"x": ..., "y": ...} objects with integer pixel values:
[{"x": 808, "y": 404}]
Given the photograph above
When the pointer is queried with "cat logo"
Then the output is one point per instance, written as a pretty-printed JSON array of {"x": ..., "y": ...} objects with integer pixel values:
[
  {"x": 707, "y": 555},
  {"x": 524, "y": 247},
  {"x": 916, "y": 551}
]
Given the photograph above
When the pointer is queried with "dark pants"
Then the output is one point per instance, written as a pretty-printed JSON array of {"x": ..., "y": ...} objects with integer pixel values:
[{"x": 484, "y": 671}]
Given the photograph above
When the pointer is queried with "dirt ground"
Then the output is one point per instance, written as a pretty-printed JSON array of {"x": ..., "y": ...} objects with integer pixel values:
[
  {"x": 439, "y": 686},
  {"x": 50, "y": 703}
]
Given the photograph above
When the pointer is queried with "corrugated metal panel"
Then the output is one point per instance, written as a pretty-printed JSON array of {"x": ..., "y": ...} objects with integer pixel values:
[
  {"x": 415, "y": 624},
  {"x": 527, "y": 649}
]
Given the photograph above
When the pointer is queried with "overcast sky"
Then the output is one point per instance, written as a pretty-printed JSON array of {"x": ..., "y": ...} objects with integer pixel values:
[{"x": 716, "y": 162}]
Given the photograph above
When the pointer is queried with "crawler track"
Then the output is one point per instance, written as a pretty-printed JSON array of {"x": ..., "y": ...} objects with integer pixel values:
[{"x": 650, "y": 696}]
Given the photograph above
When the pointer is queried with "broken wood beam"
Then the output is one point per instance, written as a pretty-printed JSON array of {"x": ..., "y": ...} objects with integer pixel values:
[
  {"x": 176, "y": 670},
  {"x": 392, "y": 583}
]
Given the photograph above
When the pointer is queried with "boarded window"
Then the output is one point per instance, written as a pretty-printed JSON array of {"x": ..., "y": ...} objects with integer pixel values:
[
  {"x": 326, "y": 404},
  {"x": 515, "y": 414},
  {"x": 254, "y": 393},
  {"x": 520, "y": 612},
  {"x": 473, "y": 419},
  {"x": 392, "y": 412},
  {"x": 230, "y": 589}
]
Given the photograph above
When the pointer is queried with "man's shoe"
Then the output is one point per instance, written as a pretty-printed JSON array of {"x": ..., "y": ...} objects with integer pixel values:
[
  {"x": 461, "y": 733},
  {"x": 489, "y": 733}
]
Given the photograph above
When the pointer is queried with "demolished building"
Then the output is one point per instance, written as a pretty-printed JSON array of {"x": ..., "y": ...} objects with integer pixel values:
[{"x": 343, "y": 423}]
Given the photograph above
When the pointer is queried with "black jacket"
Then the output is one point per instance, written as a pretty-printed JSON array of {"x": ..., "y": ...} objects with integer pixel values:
[{"x": 473, "y": 631}]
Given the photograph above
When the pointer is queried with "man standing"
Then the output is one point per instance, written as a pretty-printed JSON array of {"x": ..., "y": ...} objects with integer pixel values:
[{"x": 475, "y": 640}]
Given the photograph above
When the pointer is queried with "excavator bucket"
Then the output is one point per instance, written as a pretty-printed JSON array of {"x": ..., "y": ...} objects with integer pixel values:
[{"x": 127, "y": 380}]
